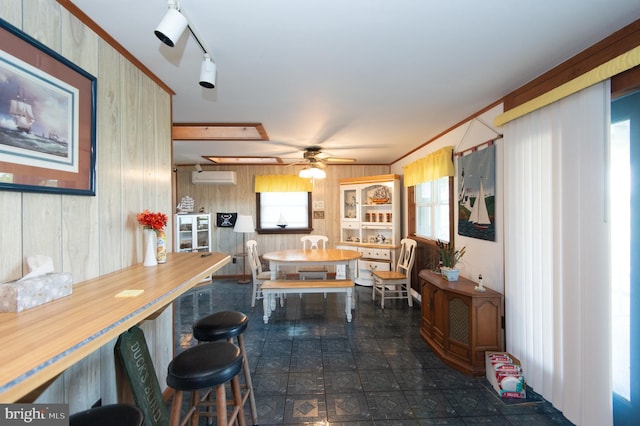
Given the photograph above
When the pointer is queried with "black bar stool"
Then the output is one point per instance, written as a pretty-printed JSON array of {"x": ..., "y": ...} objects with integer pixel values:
[
  {"x": 207, "y": 367},
  {"x": 108, "y": 415},
  {"x": 225, "y": 325}
]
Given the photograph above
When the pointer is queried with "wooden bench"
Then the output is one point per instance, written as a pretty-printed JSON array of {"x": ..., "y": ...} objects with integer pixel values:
[{"x": 274, "y": 287}]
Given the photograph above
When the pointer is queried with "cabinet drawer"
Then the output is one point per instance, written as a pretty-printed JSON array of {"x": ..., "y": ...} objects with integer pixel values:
[
  {"x": 350, "y": 225},
  {"x": 375, "y": 253},
  {"x": 365, "y": 267}
]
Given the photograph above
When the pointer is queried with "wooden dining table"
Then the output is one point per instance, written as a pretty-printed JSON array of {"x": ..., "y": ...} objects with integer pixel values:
[{"x": 315, "y": 257}]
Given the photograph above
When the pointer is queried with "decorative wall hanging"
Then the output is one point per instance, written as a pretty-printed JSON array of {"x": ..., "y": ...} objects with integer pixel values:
[
  {"x": 226, "y": 220},
  {"x": 476, "y": 193},
  {"x": 47, "y": 119}
]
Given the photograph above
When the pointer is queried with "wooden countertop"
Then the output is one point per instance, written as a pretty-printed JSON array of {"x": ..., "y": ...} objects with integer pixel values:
[
  {"x": 38, "y": 344},
  {"x": 463, "y": 286}
]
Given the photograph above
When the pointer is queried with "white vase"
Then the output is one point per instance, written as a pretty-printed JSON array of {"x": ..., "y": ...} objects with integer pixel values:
[
  {"x": 450, "y": 274},
  {"x": 149, "y": 244}
]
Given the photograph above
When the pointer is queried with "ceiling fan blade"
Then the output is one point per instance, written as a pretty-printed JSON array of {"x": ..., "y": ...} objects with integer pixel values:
[
  {"x": 295, "y": 163},
  {"x": 339, "y": 160}
]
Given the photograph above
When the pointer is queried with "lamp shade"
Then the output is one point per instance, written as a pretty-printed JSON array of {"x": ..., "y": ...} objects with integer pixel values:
[
  {"x": 171, "y": 27},
  {"x": 244, "y": 223},
  {"x": 312, "y": 173}
]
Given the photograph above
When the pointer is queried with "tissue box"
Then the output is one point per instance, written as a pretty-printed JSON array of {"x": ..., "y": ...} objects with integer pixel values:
[
  {"x": 505, "y": 374},
  {"x": 16, "y": 296}
]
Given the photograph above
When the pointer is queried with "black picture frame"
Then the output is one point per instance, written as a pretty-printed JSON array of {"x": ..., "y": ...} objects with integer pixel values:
[
  {"x": 226, "y": 220},
  {"x": 47, "y": 119}
]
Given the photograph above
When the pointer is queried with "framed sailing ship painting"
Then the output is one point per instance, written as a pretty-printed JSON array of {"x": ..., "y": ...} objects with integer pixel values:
[
  {"x": 47, "y": 119},
  {"x": 476, "y": 193}
]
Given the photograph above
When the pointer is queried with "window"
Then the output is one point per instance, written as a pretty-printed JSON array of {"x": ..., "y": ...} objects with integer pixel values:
[
  {"x": 283, "y": 208},
  {"x": 433, "y": 211}
]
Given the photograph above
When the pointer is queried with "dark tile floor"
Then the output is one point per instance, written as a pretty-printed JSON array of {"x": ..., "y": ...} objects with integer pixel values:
[{"x": 309, "y": 366}]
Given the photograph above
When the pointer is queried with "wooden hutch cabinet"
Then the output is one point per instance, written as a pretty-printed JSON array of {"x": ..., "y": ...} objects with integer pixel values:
[{"x": 459, "y": 323}]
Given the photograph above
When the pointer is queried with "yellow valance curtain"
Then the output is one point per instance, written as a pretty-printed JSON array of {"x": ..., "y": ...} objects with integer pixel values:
[
  {"x": 282, "y": 183},
  {"x": 607, "y": 70},
  {"x": 434, "y": 166}
]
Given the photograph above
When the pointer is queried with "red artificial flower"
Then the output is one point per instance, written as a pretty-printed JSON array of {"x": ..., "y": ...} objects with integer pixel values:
[{"x": 155, "y": 221}]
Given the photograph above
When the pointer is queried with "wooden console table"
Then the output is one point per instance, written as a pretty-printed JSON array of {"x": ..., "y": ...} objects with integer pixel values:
[
  {"x": 459, "y": 323},
  {"x": 38, "y": 344}
]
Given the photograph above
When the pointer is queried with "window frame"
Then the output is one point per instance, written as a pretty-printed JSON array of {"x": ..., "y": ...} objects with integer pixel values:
[
  {"x": 412, "y": 216},
  {"x": 306, "y": 230}
]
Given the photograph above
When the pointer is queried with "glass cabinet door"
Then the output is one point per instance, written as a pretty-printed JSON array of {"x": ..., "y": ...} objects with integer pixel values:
[
  {"x": 377, "y": 214},
  {"x": 349, "y": 208},
  {"x": 185, "y": 233}
]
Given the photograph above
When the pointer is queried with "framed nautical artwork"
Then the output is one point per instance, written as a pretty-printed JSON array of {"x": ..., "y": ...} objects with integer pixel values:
[
  {"x": 47, "y": 119},
  {"x": 476, "y": 193}
]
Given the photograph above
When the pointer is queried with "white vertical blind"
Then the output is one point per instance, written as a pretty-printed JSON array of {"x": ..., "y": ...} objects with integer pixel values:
[{"x": 557, "y": 253}]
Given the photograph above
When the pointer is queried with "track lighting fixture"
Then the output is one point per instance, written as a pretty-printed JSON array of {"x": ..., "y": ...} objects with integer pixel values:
[
  {"x": 207, "y": 72},
  {"x": 312, "y": 172},
  {"x": 172, "y": 25},
  {"x": 169, "y": 31}
]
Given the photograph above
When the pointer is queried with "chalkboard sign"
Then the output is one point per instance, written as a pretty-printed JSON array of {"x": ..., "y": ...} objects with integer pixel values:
[{"x": 133, "y": 352}]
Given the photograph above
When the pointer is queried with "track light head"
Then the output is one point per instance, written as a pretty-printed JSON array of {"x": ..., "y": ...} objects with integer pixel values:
[
  {"x": 198, "y": 168},
  {"x": 208, "y": 72},
  {"x": 172, "y": 25}
]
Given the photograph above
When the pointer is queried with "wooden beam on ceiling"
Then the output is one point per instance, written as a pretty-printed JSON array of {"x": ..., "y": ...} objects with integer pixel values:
[{"x": 220, "y": 132}]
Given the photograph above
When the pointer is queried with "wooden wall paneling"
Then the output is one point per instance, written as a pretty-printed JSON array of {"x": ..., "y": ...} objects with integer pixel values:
[
  {"x": 82, "y": 383},
  {"x": 11, "y": 221},
  {"x": 148, "y": 141},
  {"x": 11, "y": 245},
  {"x": 132, "y": 162},
  {"x": 108, "y": 374},
  {"x": 11, "y": 11},
  {"x": 88, "y": 235},
  {"x": 109, "y": 175},
  {"x": 164, "y": 167},
  {"x": 80, "y": 214},
  {"x": 42, "y": 231},
  {"x": 164, "y": 349},
  {"x": 42, "y": 19},
  {"x": 79, "y": 43}
]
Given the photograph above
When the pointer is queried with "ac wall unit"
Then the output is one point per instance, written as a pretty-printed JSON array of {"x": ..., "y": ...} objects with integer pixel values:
[{"x": 214, "y": 178}]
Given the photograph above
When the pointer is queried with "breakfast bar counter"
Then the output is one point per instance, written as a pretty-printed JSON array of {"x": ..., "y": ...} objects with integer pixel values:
[{"x": 38, "y": 344}]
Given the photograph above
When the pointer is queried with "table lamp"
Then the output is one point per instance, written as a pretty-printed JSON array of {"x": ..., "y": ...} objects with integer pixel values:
[{"x": 244, "y": 224}]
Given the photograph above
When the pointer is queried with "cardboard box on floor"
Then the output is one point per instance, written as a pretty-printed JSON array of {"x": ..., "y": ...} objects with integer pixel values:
[{"x": 515, "y": 386}]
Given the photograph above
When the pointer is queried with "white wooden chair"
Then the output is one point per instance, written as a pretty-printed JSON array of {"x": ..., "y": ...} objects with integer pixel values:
[
  {"x": 257, "y": 274},
  {"x": 313, "y": 242},
  {"x": 396, "y": 284}
]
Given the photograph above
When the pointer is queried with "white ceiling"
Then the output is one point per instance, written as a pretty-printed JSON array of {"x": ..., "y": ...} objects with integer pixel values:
[{"x": 368, "y": 79}]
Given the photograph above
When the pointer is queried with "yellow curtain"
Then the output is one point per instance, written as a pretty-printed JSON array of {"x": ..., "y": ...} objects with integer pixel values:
[
  {"x": 607, "y": 70},
  {"x": 282, "y": 183},
  {"x": 434, "y": 166}
]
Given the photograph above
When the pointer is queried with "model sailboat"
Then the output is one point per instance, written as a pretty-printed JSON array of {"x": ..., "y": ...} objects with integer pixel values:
[
  {"x": 282, "y": 222},
  {"x": 479, "y": 214}
]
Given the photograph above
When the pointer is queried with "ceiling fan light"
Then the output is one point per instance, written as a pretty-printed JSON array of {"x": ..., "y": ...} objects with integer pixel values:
[
  {"x": 208, "y": 73},
  {"x": 172, "y": 26},
  {"x": 312, "y": 173}
]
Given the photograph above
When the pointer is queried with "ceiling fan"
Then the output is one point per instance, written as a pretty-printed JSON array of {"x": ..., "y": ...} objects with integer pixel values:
[{"x": 314, "y": 157}]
